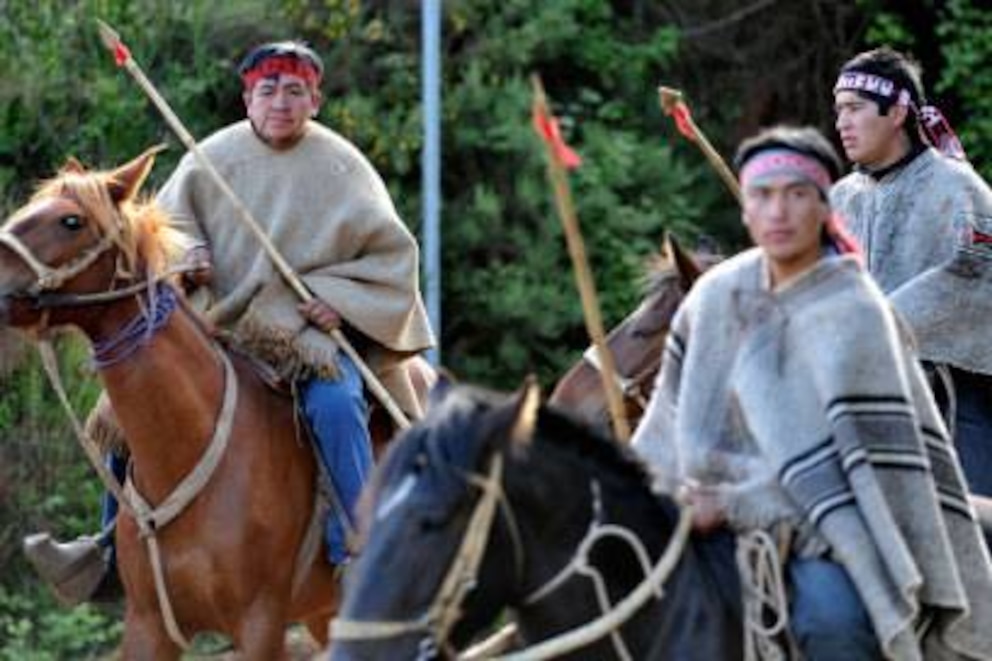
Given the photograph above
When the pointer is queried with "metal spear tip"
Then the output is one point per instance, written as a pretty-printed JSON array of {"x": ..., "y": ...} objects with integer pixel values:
[
  {"x": 538, "y": 87},
  {"x": 670, "y": 97},
  {"x": 108, "y": 35}
]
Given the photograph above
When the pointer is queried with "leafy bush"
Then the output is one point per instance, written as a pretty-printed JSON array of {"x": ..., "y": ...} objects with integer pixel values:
[
  {"x": 509, "y": 299},
  {"x": 965, "y": 31}
]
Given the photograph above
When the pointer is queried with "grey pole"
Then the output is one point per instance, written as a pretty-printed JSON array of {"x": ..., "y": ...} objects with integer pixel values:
[{"x": 431, "y": 166}]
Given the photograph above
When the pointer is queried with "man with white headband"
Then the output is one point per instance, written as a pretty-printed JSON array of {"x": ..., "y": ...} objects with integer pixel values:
[
  {"x": 329, "y": 214},
  {"x": 791, "y": 407},
  {"x": 924, "y": 219}
]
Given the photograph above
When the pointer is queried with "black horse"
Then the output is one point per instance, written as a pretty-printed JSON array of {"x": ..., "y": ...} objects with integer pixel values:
[{"x": 494, "y": 502}]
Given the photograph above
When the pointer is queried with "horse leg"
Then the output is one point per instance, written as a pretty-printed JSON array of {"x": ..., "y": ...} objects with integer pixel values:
[
  {"x": 145, "y": 638},
  {"x": 318, "y": 625},
  {"x": 262, "y": 633},
  {"x": 319, "y": 599}
]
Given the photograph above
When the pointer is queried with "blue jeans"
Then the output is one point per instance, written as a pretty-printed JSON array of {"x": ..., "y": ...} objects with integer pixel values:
[
  {"x": 973, "y": 428},
  {"x": 109, "y": 507},
  {"x": 829, "y": 621},
  {"x": 337, "y": 413}
]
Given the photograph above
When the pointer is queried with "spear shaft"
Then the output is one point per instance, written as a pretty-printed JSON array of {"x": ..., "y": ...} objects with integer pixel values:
[
  {"x": 124, "y": 59},
  {"x": 583, "y": 276}
]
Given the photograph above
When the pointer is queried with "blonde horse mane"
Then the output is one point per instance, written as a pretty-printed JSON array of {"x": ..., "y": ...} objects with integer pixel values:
[{"x": 147, "y": 237}]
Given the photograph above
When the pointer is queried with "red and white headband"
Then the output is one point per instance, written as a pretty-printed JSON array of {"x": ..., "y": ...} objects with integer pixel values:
[{"x": 282, "y": 65}]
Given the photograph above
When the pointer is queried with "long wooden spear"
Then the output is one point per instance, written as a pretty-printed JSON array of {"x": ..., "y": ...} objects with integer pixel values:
[
  {"x": 673, "y": 104},
  {"x": 561, "y": 157},
  {"x": 122, "y": 56}
]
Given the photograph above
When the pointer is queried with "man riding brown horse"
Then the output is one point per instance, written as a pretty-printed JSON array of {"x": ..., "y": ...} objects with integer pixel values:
[{"x": 329, "y": 214}]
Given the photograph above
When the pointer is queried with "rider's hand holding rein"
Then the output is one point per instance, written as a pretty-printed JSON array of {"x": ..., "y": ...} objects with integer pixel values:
[
  {"x": 708, "y": 512},
  {"x": 198, "y": 269}
]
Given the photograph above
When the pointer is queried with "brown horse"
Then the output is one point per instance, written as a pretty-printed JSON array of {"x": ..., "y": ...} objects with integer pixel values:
[
  {"x": 85, "y": 252},
  {"x": 636, "y": 342}
]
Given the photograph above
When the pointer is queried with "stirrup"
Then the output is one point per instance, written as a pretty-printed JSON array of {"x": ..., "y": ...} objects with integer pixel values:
[{"x": 73, "y": 570}]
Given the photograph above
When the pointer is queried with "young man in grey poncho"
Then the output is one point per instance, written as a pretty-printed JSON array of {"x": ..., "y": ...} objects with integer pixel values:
[
  {"x": 329, "y": 214},
  {"x": 789, "y": 399},
  {"x": 924, "y": 219}
]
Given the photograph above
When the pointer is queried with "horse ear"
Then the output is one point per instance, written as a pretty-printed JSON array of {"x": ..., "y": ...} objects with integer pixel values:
[
  {"x": 125, "y": 181},
  {"x": 72, "y": 165},
  {"x": 443, "y": 384},
  {"x": 687, "y": 268},
  {"x": 526, "y": 405}
]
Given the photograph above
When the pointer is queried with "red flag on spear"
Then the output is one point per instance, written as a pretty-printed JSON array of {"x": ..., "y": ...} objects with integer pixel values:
[
  {"x": 547, "y": 127},
  {"x": 676, "y": 108},
  {"x": 560, "y": 158}
]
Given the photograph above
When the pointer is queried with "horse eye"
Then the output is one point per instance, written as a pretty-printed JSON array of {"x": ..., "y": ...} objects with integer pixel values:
[
  {"x": 431, "y": 522},
  {"x": 72, "y": 222}
]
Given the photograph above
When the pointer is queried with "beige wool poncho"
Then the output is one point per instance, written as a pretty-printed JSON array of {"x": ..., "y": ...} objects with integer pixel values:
[{"x": 329, "y": 214}]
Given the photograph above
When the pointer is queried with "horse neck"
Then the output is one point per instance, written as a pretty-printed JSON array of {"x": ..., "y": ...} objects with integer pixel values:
[
  {"x": 554, "y": 528},
  {"x": 621, "y": 503},
  {"x": 165, "y": 395}
]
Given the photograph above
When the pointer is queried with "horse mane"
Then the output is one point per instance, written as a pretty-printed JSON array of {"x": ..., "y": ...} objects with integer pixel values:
[
  {"x": 145, "y": 234},
  {"x": 561, "y": 430},
  {"x": 658, "y": 274},
  {"x": 660, "y": 270},
  {"x": 448, "y": 442}
]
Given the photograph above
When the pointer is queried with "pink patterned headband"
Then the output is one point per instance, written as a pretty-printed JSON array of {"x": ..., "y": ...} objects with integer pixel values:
[{"x": 778, "y": 162}]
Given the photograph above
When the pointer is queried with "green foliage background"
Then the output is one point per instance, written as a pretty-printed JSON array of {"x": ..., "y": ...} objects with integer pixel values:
[{"x": 509, "y": 300}]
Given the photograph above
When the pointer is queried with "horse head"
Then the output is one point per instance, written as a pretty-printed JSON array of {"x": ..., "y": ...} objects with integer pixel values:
[
  {"x": 482, "y": 506},
  {"x": 81, "y": 233},
  {"x": 424, "y": 530},
  {"x": 637, "y": 342}
]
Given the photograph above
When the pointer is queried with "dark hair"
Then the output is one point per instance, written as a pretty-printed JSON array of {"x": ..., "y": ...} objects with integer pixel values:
[
  {"x": 810, "y": 142},
  {"x": 293, "y": 49},
  {"x": 803, "y": 139},
  {"x": 901, "y": 69}
]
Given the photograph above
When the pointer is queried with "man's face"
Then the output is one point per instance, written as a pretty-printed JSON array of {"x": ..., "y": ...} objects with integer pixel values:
[
  {"x": 279, "y": 108},
  {"x": 784, "y": 216},
  {"x": 870, "y": 139}
]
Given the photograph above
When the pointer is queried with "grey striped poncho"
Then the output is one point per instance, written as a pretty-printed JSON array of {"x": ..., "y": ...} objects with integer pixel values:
[
  {"x": 917, "y": 226},
  {"x": 805, "y": 405}
]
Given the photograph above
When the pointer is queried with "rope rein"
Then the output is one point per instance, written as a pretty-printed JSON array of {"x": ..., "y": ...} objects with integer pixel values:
[
  {"x": 445, "y": 609},
  {"x": 137, "y": 332},
  {"x": 151, "y": 519},
  {"x": 50, "y": 277},
  {"x": 652, "y": 587},
  {"x": 580, "y": 565},
  {"x": 630, "y": 387},
  {"x": 760, "y": 565}
]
